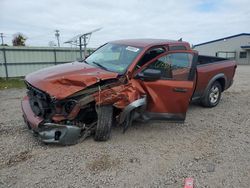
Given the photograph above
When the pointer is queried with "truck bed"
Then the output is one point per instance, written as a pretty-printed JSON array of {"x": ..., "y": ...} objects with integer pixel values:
[
  {"x": 208, "y": 68},
  {"x": 202, "y": 59}
]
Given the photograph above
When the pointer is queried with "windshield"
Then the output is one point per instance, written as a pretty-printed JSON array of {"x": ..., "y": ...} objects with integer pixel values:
[{"x": 113, "y": 57}]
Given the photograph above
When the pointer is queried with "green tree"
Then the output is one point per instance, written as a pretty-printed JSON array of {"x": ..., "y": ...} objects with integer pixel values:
[{"x": 19, "y": 39}]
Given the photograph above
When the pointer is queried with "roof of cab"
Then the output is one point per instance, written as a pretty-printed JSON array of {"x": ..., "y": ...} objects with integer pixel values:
[{"x": 150, "y": 42}]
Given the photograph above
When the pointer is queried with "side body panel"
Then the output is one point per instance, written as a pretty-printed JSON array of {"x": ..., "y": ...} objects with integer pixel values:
[
  {"x": 206, "y": 72},
  {"x": 168, "y": 99}
]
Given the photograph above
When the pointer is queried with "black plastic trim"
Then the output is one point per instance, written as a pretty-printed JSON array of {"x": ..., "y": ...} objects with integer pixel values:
[{"x": 216, "y": 77}]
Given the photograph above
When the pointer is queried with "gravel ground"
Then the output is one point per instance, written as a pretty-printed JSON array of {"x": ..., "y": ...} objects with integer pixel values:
[{"x": 212, "y": 146}]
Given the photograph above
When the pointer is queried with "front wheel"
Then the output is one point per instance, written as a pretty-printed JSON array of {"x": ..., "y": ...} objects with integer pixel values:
[
  {"x": 212, "y": 96},
  {"x": 104, "y": 123}
]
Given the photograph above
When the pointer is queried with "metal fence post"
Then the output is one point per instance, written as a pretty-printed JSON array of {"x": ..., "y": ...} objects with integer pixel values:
[
  {"x": 5, "y": 64},
  {"x": 55, "y": 56}
]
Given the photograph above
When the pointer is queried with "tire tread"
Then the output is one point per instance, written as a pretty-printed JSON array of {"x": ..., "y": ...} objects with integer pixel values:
[{"x": 104, "y": 123}]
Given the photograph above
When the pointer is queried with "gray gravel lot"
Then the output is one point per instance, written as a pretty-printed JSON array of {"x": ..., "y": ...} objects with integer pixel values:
[{"x": 212, "y": 146}]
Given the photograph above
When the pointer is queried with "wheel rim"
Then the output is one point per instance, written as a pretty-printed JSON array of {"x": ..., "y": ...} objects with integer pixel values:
[{"x": 214, "y": 94}]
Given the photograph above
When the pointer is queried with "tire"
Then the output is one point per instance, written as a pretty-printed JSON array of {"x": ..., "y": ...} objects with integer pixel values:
[
  {"x": 128, "y": 121},
  {"x": 212, "y": 96},
  {"x": 104, "y": 123}
]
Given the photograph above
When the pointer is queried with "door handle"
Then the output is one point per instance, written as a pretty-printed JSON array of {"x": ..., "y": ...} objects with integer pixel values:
[{"x": 181, "y": 90}]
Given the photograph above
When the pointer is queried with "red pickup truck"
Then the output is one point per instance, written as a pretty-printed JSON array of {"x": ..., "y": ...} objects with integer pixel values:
[{"x": 122, "y": 81}]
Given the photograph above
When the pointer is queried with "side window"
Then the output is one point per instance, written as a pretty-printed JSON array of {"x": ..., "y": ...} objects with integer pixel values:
[
  {"x": 149, "y": 55},
  {"x": 174, "y": 66}
]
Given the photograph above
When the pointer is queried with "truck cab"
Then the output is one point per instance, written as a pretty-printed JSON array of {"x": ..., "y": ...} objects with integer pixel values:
[{"x": 122, "y": 81}]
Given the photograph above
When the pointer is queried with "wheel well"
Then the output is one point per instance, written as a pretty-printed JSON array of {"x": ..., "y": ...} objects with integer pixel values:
[{"x": 222, "y": 83}]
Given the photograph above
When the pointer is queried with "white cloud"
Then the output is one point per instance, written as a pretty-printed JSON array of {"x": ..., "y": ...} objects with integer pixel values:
[{"x": 195, "y": 21}]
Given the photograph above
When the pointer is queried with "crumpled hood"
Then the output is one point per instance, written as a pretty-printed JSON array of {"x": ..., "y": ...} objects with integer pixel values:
[{"x": 64, "y": 80}]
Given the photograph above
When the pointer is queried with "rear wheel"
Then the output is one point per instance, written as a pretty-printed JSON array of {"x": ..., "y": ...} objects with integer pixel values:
[
  {"x": 212, "y": 96},
  {"x": 104, "y": 123}
]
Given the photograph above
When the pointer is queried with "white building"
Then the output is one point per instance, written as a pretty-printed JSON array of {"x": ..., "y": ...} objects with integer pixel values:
[{"x": 233, "y": 47}]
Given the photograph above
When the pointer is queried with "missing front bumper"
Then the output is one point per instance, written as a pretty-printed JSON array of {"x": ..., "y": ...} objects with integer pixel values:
[
  {"x": 59, "y": 134},
  {"x": 49, "y": 132}
]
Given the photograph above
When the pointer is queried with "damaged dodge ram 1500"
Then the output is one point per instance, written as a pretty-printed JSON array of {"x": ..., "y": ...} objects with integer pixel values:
[{"x": 120, "y": 82}]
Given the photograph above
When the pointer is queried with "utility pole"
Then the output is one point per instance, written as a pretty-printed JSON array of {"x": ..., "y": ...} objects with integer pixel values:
[
  {"x": 1, "y": 35},
  {"x": 80, "y": 41},
  {"x": 57, "y": 37},
  {"x": 85, "y": 45},
  {"x": 83, "y": 42}
]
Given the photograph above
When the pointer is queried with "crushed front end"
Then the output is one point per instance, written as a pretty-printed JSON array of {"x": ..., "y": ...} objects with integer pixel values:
[
  {"x": 72, "y": 119},
  {"x": 56, "y": 121}
]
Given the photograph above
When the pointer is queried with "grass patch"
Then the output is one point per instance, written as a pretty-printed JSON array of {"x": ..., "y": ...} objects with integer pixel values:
[{"x": 11, "y": 83}]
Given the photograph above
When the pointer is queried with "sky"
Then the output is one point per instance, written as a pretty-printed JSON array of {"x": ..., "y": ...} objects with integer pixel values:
[{"x": 195, "y": 21}]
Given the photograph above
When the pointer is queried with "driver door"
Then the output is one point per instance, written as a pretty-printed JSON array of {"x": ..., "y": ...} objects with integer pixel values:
[{"x": 169, "y": 92}]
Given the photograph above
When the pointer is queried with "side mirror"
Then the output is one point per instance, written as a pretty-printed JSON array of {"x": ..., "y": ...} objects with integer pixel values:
[{"x": 149, "y": 75}]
